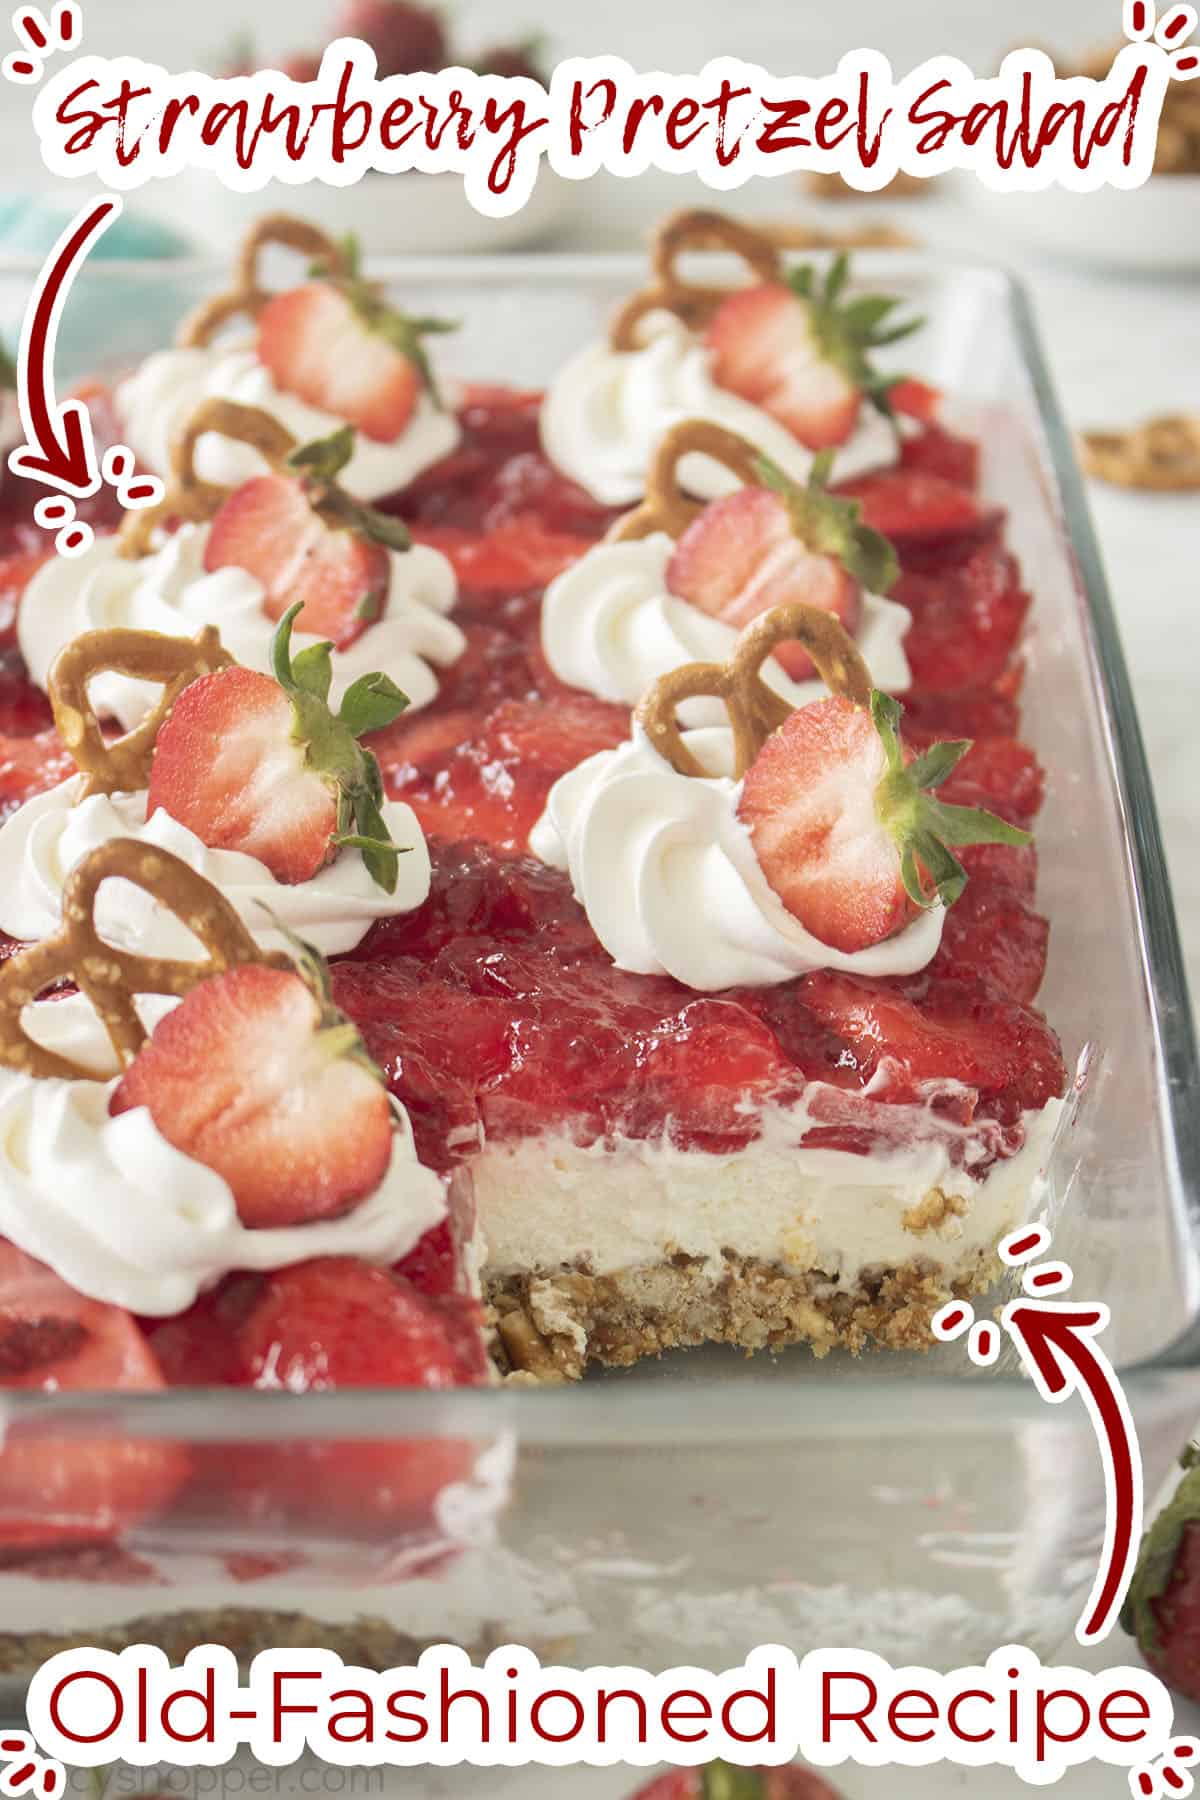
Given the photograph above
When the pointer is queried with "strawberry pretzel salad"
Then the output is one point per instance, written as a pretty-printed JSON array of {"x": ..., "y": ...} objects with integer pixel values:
[{"x": 494, "y": 882}]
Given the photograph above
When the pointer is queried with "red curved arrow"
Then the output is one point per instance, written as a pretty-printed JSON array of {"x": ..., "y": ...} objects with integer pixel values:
[
  {"x": 1055, "y": 1340},
  {"x": 59, "y": 450}
]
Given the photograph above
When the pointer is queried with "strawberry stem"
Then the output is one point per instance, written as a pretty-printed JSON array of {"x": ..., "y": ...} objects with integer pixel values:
[
  {"x": 832, "y": 525},
  {"x": 721, "y": 1781},
  {"x": 331, "y": 746},
  {"x": 404, "y": 331},
  {"x": 846, "y": 334},
  {"x": 320, "y": 463},
  {"x": 923, "y": 827}
]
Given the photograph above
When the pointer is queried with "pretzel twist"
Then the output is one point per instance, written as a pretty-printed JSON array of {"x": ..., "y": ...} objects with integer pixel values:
[
  {"x": 122, "y": 766},
  {"x": 696, "y": 229},
  {"x": 112, "y": 978},
  {"x": 1162, "y": 454},
  {"x": 666, "y": 506},
  {"x": 247, "y": 295},
  {"x": 755, "y": 710},
  {"x": 190, "y": 499}
]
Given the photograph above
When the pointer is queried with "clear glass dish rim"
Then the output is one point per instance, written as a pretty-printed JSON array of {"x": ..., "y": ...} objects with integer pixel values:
[{"x": 672, "y": 1409}]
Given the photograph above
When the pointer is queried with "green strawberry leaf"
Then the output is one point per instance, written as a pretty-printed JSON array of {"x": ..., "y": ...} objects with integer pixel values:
[
  {"x": 940, "y": 760},
  {"x": 319, "y": 464},
  {"x": 312, "y": 670},
  {"x": 722, "y": 1781},
  {"x": 866, "y": 315},
  {"x": 331, "y": 746},
  {"x": 832, "y": 524},
  {"x": 325, "y": 458},
  {"x": 281, "y": 649},
  {"x": 847, "y": 332},
  {"x": 835, "y": 281},
  {"x": 923, "y": 827},
  {"x": 381, "y": 527},
  {"x": 370, "y": 703},
  {"x": 380, "y": 855},
  {"x": 971, "y": 825}
]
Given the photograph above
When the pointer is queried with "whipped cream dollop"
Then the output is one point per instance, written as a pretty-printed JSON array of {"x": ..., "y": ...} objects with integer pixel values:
[
  {"x": 46, "y": 837},
  {"x": 669, "y": 879},
  {"x": 611, "y": 626},
  {"x": 158, "y": 399},
  {"x": 607, "y": 410},
  {"x": 172, "y": 592},
  {"x": 125, "y": 1217}
]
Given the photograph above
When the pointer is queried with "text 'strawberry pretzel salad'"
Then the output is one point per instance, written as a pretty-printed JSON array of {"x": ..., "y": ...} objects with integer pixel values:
[
  {"x": 784, "y": 361},
  {"x": 238, "y": 558},
  {"x": 329, "y": 353},
  {"x": 250, "y": 779},
  {"x": 676, "y": 578}
]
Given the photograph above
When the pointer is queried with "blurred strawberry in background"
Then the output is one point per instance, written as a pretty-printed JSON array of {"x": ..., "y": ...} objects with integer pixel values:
[
  {"x": 407, "y": 39},
  {"x": 721, "y": 1781},
  {"x": 1162, "y": 1609}
]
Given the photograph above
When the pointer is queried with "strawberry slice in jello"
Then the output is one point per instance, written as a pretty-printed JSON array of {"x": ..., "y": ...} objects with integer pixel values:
[
  {"x": 492, "y": 784},
  {"x": 75, "y": 1489}
]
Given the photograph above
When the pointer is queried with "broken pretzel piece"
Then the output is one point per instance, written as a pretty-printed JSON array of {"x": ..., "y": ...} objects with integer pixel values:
[{"x": 1162, "y": 455}]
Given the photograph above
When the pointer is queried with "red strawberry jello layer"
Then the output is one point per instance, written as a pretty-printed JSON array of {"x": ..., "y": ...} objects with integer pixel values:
[{"x": 825, "y": 1159}]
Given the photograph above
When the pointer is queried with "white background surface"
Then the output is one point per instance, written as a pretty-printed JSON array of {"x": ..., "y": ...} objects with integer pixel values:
[{"x": 1120, "y": 348}]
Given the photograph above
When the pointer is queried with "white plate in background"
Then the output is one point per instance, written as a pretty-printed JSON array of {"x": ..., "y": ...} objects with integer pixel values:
[
  {"x": 407, "y": 214},
  {"x": 1152, "y": 228}
]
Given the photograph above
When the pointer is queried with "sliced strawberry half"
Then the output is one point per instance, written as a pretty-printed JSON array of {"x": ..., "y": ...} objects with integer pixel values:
[
  {"x": 337, "y": 1323},
  {"x": 258, "y": 1076},
  {"x": 263, "y": 766},
  {"x": 766, "y": 546},
  {"x": 73, "y": 1489},
  {"x": 339, "y": 346},
  {"x": 845, "y": 829},
  {"x": 802, "y": 353},
  {"x": 309, "y": 544}
]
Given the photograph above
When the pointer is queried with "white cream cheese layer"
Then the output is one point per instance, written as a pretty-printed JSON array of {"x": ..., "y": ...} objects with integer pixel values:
[
  {"x": 44, "y": 839},
  {"x": 158, "y": 399},
  {"x": 611, "y": 626},
  {"x": 670, "y": 881},
  {"x": 172, "y": 592},
  {"x": 548, "y": 1204},
  {"x": 607, "y": 410},
  {"x": 125, "y": 1217}
]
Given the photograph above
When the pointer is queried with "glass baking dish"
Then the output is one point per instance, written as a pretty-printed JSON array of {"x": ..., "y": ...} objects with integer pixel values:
[{"x": 692, "y": 1508}]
